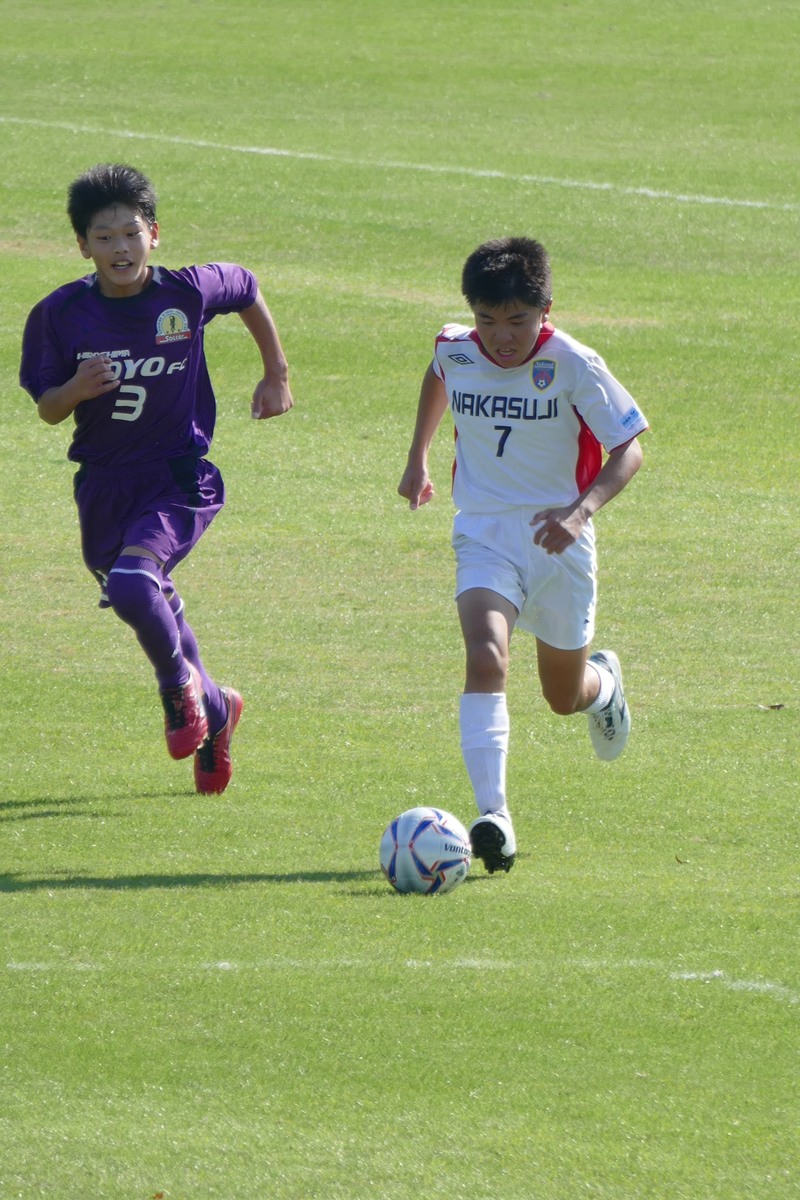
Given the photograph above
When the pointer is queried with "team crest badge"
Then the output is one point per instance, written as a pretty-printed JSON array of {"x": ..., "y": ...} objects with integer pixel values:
[
  {"x": 172, "y": 326},
  {"x": 544, "y": 373}
]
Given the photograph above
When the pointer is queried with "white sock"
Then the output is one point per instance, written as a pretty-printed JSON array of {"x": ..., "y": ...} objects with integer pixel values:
[
  {"x": 607, "y": 684},
  {"x": 484, "y": 724}
]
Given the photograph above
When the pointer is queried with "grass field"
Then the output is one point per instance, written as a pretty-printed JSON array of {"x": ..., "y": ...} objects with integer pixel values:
[{"x": 220, "y": 997}]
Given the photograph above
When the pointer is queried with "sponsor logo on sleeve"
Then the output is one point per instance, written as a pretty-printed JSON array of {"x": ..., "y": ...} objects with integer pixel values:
[{"x": 632, "y": 416}]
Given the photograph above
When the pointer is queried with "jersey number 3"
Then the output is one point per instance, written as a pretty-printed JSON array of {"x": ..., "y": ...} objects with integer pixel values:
[{"x": 129, "y": 403}]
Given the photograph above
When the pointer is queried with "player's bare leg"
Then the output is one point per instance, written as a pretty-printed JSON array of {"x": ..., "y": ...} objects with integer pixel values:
[
  {"x": 572, "y": 681},
  {"x": 568, "y": 685},
  {"x": 487, "y": 622}
]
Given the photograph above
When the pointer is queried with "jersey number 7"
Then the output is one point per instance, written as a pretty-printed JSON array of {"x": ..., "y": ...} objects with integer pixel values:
[{"x": 504, "y": 431}]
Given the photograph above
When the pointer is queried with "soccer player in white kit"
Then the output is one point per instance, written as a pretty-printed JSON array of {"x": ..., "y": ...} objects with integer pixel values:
[{"x": 545, "y": 436}]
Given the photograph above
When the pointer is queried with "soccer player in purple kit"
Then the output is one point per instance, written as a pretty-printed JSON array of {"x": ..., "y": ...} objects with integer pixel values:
[
  {"x": 121, "y": 351},
  {"x": 533, "y": 411}
]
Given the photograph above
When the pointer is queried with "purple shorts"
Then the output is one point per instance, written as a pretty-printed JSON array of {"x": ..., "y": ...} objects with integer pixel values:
[{"x": 164, "y": 507}]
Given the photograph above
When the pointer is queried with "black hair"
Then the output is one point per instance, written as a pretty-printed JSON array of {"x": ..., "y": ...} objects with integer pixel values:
[
  {"x": 104, "y": 186},
  {"x": 508, "y": 269}
]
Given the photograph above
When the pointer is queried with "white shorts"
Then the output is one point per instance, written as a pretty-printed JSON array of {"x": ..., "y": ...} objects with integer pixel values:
[{"x": 554, "y": 594}]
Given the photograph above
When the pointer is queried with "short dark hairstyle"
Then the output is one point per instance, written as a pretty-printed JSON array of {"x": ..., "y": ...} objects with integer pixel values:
[
  {"x": 104, "y": 186},
  {"x": 508, "y": 269}
]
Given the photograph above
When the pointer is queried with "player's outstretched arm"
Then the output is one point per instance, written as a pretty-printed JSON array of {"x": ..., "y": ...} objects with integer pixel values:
[
  {"x": 416, "y": 485},
  {"x": 272, "y": 395},
  {"x": 93, "y": 378}
]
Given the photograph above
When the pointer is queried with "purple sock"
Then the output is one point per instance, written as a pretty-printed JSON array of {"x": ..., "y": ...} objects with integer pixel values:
[
  {"x": 134, "y": 592},
  {"x": 215, "y": 704}
]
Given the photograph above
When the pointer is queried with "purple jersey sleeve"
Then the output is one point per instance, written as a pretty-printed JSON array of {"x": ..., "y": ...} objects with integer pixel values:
[{"x": 164, "y": 406}]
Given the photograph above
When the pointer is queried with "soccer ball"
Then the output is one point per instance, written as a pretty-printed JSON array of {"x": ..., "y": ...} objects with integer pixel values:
[{"x": 425, "y": 850}]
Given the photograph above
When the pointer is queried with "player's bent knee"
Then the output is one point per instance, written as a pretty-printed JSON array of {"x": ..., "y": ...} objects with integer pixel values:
[
  {"x": 134, "y": 584},
  {"x": 562, "y": 704}
]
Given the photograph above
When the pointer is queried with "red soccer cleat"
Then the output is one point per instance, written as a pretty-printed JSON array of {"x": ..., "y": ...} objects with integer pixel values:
[
  {"x": 212, "y": 761},
  {"x": 185, "y": 723}
]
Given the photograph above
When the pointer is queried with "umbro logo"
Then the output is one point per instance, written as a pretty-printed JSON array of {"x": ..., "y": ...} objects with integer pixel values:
[{"x": 463, "y": 360}]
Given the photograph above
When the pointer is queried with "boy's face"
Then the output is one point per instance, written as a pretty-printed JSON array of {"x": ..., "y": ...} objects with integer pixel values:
[
  {"x": 119, "y": 242},
  {"x": 509, "y": 331}
]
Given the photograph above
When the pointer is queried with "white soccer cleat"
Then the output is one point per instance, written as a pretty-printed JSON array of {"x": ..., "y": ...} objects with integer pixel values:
[
  {"x": 492, "y": 839},
  {"x": 609, "y": 728}
]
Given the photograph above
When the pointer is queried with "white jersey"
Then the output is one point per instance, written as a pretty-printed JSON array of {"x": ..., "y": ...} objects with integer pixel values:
[{"x": 530, "y": 435}]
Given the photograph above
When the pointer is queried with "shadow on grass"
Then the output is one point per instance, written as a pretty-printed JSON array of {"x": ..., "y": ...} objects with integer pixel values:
[
  {"x": 39, "y": 808},
  {"x": 121, "y": 883},
  {"x": 44, "y": 813},
  {"x": 55, "y": 802},
  {"x": 42, "y": 808}
]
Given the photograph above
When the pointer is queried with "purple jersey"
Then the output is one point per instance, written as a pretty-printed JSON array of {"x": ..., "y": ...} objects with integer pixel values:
[{"x": 164, "y": 406}]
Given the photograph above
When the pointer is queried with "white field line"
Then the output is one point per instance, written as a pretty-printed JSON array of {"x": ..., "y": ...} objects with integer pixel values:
[
  {"x": 756, "y": 987},
  {"x": 391, "y": 165}
]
